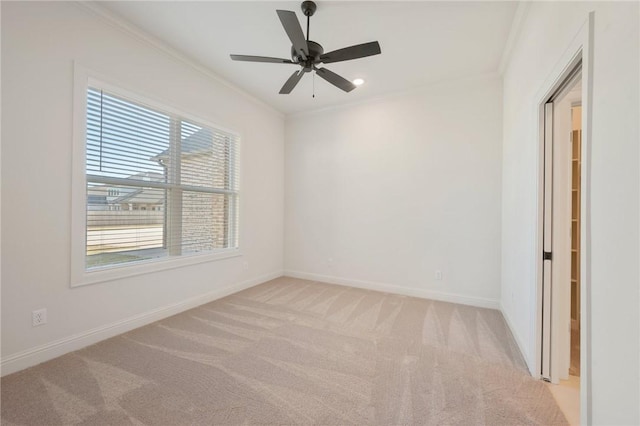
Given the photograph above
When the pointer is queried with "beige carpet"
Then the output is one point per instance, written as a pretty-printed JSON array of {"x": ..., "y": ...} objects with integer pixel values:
[{"x": 293, "y": 352}]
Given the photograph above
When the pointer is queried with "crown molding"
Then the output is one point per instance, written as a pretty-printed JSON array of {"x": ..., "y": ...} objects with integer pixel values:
[
  {"x": 122, "y": 24},
  {"x": 514, "y": 32},
  {"x": 425, "y": 88}
]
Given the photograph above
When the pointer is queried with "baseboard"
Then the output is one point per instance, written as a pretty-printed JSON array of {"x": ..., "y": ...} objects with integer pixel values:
[
  {"x": 405, "y": 291},
  {"x": 46, "y": 352},
  {"x": 519, "y": 342}
]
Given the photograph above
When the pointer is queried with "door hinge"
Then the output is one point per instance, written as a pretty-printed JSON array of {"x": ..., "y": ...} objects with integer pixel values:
[{"x": 546, "y": 255}]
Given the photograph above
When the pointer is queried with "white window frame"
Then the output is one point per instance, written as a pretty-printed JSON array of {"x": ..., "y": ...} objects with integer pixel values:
[{"x": 83, "y": 79}]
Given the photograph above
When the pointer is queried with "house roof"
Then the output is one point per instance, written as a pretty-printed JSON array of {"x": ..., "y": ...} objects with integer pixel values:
[
  {"x": 142, "y": 196},
  {"x": 196, "y": 143}
]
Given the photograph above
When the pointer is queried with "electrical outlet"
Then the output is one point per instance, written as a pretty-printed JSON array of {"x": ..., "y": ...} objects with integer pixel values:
[
  {"x": 439, "y": 275},
  {"x": 245, "y": 265},
  {"x": 39, "y": 317}
]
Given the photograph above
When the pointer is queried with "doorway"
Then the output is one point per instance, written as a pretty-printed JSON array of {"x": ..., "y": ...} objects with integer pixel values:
[
  {"x": 561, "y": 230},
  {"x": 555, "y": 318}
]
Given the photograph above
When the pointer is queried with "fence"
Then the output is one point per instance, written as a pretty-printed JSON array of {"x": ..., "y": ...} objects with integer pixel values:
[{"x": 104, "y": 218}]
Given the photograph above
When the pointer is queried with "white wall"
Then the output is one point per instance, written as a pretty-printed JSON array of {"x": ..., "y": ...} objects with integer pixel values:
[
  {"x": 547, "y": 32},
  {"x": 394, "y": 189},
  {"x": 40, "y": 42}
]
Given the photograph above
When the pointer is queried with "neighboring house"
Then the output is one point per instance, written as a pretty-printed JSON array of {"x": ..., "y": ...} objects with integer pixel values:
[
  {"x": 201, "y": 162},
  {"x": 151, "y": 199},
  {"x": 110, "y": 198},
  {"x": 202, "y": 165}
]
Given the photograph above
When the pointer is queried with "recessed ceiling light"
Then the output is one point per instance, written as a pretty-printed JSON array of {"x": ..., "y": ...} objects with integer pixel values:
[{"x": 358, "y": 81}]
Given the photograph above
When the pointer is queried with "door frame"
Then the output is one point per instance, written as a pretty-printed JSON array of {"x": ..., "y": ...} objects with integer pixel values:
[
  {"x": 556, "y": 289},
  {"x": 579, "y": 50}
]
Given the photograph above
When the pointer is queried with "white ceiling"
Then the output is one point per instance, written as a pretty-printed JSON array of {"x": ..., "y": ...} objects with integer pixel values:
[{"x": 422, "y": 43}]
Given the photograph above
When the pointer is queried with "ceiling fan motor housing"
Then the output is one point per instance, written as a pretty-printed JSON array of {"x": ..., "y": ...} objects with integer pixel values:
[{"x": 315, "y": 51}]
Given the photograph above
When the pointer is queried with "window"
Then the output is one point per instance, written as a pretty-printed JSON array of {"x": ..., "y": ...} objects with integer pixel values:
[{"x": 158, "y": 185}]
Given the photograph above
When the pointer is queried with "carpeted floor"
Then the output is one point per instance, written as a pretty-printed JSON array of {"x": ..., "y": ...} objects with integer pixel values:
[{"x": 293, "y": 352}]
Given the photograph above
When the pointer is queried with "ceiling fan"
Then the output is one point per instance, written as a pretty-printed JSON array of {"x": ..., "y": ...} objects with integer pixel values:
[{"x": 308, "y": 54}]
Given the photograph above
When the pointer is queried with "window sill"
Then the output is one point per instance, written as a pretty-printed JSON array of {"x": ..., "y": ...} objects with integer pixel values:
[{"x": 117, "y": 272}]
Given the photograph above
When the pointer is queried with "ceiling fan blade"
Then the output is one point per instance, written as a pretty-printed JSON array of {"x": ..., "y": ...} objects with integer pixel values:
[
  {"x": 249, "y": 58},
  {"x": 291, "y": 82},
  {"x": 335, "y": 79},
  {"x": 294, "y": 31},
  {"x": 352, "y": 52}
]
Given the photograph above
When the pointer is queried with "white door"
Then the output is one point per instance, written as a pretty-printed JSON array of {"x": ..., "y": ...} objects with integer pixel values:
[{"x": 556, "y": 239}]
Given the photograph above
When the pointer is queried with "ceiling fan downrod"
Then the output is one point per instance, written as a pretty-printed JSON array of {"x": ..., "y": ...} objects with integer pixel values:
[{"x": 308, "y": 9}]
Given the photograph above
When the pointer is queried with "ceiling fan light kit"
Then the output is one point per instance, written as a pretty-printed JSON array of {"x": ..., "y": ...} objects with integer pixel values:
[{"x": 308, "y": 54}]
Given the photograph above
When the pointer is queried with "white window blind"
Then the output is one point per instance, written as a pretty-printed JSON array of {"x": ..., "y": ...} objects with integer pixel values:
[{"x": 158, "y": 185}]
